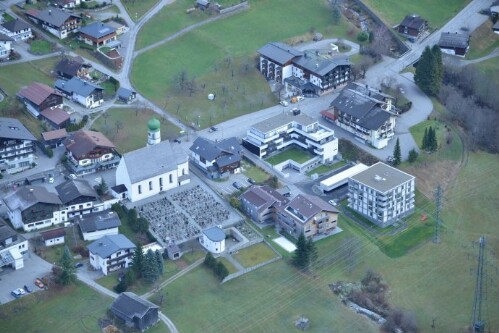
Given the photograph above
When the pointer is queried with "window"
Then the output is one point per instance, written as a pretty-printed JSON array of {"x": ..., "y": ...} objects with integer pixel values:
[
  {"x": 170, "y": 178},
  {"x": 160, "y": 181},
  {"x": 150, "y": 185},
  {"x": 139, "y": 188}
]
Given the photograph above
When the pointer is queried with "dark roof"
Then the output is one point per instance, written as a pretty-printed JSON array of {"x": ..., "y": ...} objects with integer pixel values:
[
  {"x": 226, "y": 160},
  {"x": 454, "y": 40},
  {"x": 172, "y": 248},
  {"x": 374, "y": 119},
  {"x": 107, "y": 245},
  {"x": 77, "y": 86},
  {"x": 98, "y": 221},
  {"x": 279, "y": 52},
  {"x": 6, "y": 232},
  {"x": 304, "y": 207},
  {"x": 52, "y": 15},
  {"x": 319, "y": 65},
  {"x": 5, "y": 38},
  {"x": 413, "y": 21},
  {"x": 69, "y": 66},
  {"x": 56, "y": 115},
  {"x": 262, "y": 197},
  {"x": 54, "y": 233},
  {"x": 75, "y": 188},
  {"x": 16, "y": 25},
  {"x": 11, "y": 128},
  {"x": 496, "y": 26},
  {"x": 82, "y": 142},
  {"x": 97, "y": 30},
  {"x": 215, "y": 234},
  {"x": 130, "y": 305},
  {"x": 125, "y": 93},
  {"x": 211, "y": 150},
  {"x": 26, "y": 197},
  {"x": 37, "y": 92},
  {"x": 56, "y": 134},
  {"x": 119, "y": 188}
]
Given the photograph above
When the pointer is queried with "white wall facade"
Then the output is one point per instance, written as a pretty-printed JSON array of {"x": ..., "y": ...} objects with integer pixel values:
[
  {"x": 101, "y": 264},
  {"x": 15, "y": 217},
  {"x": 54, "y": 241},
  {"x": 16, "y": 251},
  {"x": 213, "y": 247},
  {"x": 90, "y": 236}
]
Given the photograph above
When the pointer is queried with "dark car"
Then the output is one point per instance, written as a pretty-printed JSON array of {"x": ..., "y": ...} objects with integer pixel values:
[
  {"x": 28, "y": 289},
  {"x": 177, "y": 141},
  {"x": 237, "y": 185},
  {"x": 78, "y": 265},
  {"x": 251, "y": 181},
  {"x": 214, "y": 129}
]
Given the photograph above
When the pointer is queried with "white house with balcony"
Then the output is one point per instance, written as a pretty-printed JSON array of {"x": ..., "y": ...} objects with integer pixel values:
[
  {"x": 16, "y": 146},
  {"x": 366, "y": 112},
  {"x": 291, "y": 129},
  {"x": 382, "y": 194},
  {"x": 110, "y": 253},
  {"x": 12, "y": 247}
]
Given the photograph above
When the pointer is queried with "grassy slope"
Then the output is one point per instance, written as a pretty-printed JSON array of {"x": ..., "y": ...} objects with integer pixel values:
[
  {"x": 13, "y": 77},
  {"x": 137, "y": 8},
  {"x": 134, "y": 133},
  {"x": 483, "y": 41},
  {"x": 254, "y": 255},
  {"x": 435, "y": 12}
]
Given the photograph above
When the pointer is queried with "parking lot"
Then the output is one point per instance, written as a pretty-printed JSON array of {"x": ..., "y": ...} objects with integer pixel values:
[{"x": 34, "y": 267}]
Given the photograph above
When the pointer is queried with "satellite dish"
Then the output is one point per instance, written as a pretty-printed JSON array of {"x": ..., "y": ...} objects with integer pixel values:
[{"x": 211, "y": 97}]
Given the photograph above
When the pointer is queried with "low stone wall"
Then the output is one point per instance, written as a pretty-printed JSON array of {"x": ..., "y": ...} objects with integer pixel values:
[{"x": 234, "y": 8}]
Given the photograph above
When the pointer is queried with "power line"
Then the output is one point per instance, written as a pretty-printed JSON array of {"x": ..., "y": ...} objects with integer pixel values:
[
  {"x": 477, "y": 323},
  {"x": 438, "y": 204}
]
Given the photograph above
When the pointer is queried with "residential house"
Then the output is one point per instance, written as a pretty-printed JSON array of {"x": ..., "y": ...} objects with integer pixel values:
[
  {"x": 39, "y": 97},
  {"x": 173, "y": 251},
  {"x": 78, "y": 197},
  {"x": 53, "y": 237},
  {"x": 119, "y": 191},
  {"x": 34, "y": 207},
  {"x": 97, "y": 34},
  {"x": 5, "y": 46},
  {"x": 292, "y": 130},
  {"x": 17, "y": 30},
  {"x": 167, "y": 167},
  {"x": 55, "y": 138},
  {"x": 213, "y": 239},
  {"x": 261, "y": 203},
  {"x": 67, "y": 4},
  {"x": 382, "y": 194},
  {"x": 16, "y": 146},
  {"x": 96, "y": 225},
  {"x": 12, "y": 247},
  {"x": 56, "y": 117},
  {"x": 121, "y": 28},
  {"x": 454, "y": 43},
  {"x": 413, "y": 26},
  {"x": 69, "y": 67},
  {"x": 202, "y": 4},
  {"x": 88, "y": 151},
  {"x": 58, "y": 22},
  {"x": 309, "y": 215},
  {"x": 135, "y": 311},
  {"x": 217, "y": 159},
  {"x": 367, "y": 113},
  {"x": 311, "y": 72},
  {"x": 126, "y": 95},
  {"x": 110, "y": 253},
  {"x": 80, "y": 91}
]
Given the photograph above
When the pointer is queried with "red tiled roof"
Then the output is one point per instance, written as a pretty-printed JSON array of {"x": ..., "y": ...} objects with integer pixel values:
[
  {"x": 37, "y": 92},
  {"x": 57, "y": 134},
  {"x": 55, "y": 115},
  {"x": 84, "y": 142}
]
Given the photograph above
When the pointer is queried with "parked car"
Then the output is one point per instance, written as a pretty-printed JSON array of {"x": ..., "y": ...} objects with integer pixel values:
[
  {"x": 284, "y": 103},
  {"x": 39, "y": 283},
  {"x": 251, "y": 181},
  {"x": 237, "y": 185},
  {"x": 300, "y": 98},
  {"x": 214, "y": 129},
  {"x": 332, "y": 202},
  {"x": 177, "y": 141},
  {"x": 17, "y": 292},
  {"x": 28, "y": 289},
  {"x": 78, "y": 265},
  {"x": 51, "y": 178}
]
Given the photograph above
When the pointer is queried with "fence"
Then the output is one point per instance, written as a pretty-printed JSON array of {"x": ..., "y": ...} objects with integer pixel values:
[{"x": 234, "y": 8}]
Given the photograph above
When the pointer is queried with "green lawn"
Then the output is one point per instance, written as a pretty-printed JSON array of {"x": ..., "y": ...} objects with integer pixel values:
[
  {"x": 169, "y": 20},
  {"x": 41, "y": 46},
  {"x": 323, "y": 168},
  {"x": 294, "y": 154},
  {"x": 13, "y": 77},
  {"x": 56, "y": 311},
  {"x": 254, "y": 172},
  {"x": 137, "y": 8},
  {"x": 254, "y": 255},
  {"x": 448, "y": 151},
  {"x": 436, "y": 13},
  {"x": 228, "y": 264},
  {"x": 239, "y": 87},
  {"x": 490, "y": 68},
  {"x": 483, "y": 41},
  {"x": 133, "y": 134}
]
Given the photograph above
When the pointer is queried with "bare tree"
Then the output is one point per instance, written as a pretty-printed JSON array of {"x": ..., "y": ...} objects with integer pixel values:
[{"x": 119, "y": 125}]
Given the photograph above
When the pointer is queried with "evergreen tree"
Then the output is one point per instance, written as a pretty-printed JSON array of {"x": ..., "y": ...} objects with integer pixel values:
[
  {"x": 433, "y": 140},
  {"x": 313, "y": 255},
  {"x": 121, "y": 287},
  {"x": 437, "y": 69},
  {"x": 159, "y": 262},
  {"x": 397, "y": 154},
  {"x": 67, "y": 272},
  {"x": 335, "y": 16},
  {"x": 138, "y": 261},
  {"x": 150, "y": 271},
  {"x": 413, "y": 155},
  {"x": 425, "y": 139},
  {"x": 301, "y": 257},
  {"x": 422, "y": 77},
  {"x": 221, "y": 271},
  {"x": 102, "y": 187},
  {"x": 209, "y": 260}
]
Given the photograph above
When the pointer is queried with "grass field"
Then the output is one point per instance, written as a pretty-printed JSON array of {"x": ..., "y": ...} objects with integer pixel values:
[
  {"x": 137, "y": 8},
  {"x": 483, "y": 41},
  {"x": 228, "y": 265},
  {"x": 254, "y": 255},
  {"x": 133, "y": 134},
  {"x": 41, "y": 46},
  {"x": 322, "y": 169},
  {"x": 490, "y": 68},
  {"x": 453, "y": 152},
  {"x": 254, "y": 172},
  {"x": 13, "y": 77},
  {"x": 294, "y": 154},
  {"x": 436, "y": 13},
  {"x": 239, "y": 87}
]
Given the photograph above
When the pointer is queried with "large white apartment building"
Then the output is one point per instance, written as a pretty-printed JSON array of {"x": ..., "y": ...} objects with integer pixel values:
[
  {"x": 382, "y": 194},
  {"x": 16, "y": 146},
  {"x": 277, "y": 133}
]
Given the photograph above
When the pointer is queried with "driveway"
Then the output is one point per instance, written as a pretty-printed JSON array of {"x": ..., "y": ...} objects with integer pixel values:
[{"x": 34, "y": 267}]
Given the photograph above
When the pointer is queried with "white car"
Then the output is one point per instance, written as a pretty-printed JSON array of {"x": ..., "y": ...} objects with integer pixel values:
[
  {"x": 300, "y": 98},
  {"x": 332, "y": 202},
  {"x": 18, "y": 292},
  {"x": 284, "y": 103}
]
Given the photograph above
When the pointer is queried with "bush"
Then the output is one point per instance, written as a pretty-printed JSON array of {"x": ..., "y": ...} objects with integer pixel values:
[
  {"x": 121, "y": 286},
  {"x": 413, "y": 155},
  {"x": 363, "y": 36}
]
